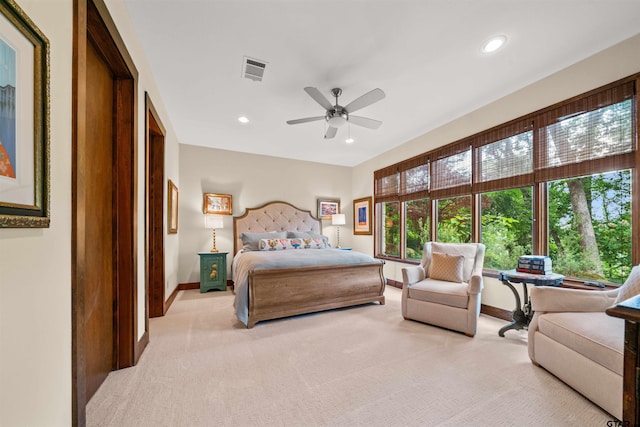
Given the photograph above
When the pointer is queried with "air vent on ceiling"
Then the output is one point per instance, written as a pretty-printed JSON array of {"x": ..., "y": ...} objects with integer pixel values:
[{"x": 253, "y": 69}]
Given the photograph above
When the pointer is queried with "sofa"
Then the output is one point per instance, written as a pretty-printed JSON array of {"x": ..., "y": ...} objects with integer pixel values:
[{"x": 571, "y": 336}]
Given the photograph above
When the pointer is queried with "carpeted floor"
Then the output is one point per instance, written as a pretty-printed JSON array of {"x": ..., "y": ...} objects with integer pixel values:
[{"x": 361, "y": 366}]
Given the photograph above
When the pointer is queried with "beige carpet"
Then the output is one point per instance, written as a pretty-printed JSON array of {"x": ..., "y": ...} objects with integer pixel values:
[{"x": 361, "y": 366}]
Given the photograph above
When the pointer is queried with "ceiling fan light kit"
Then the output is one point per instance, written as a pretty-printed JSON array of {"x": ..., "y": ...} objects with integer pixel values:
[{"x": 337, "y": 115}]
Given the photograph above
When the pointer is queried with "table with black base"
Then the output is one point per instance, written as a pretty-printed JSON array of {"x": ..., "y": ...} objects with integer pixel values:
[{"x": 521, "y": 316}]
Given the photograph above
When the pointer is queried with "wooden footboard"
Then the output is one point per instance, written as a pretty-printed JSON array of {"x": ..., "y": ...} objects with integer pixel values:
[{"x": 283, "y": 292}]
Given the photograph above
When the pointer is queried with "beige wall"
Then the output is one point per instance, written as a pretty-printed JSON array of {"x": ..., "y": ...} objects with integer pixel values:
[
  {"x": 35, "y": 264},
  {"x": 252, "y": 180},
  {"x": 612, "y": 64}
]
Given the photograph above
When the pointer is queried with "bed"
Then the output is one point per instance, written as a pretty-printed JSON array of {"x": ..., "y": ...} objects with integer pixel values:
[{"x": 274, "y": 283}]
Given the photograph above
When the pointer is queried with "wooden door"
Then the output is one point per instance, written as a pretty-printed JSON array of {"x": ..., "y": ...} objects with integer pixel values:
[
  {"x": 155, "y": 225},
  {"x": 98, "y": 204}
]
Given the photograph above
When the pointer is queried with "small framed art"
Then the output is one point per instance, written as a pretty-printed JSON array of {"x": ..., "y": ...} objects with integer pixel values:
[
  {"x": 328, "y": 207},
  {"x": 362, "y": 216},
  {"x": 217, "y": 204},
  {"x": 172, "y": 209}
]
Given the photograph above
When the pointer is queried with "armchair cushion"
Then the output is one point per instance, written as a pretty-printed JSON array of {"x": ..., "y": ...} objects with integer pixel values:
[
  {"x": 446, "y": 267},
  {"x": 546, "y": 299},
  {"x": 631, "y": 286},
  {"x": 440, "y": 292},
  {"x": 596, "y": 336}
]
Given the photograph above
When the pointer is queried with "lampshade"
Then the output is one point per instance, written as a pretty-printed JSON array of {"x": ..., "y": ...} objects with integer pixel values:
[
  {"x": 213, "y": 221},
  {"x": 338, "y": 219}
]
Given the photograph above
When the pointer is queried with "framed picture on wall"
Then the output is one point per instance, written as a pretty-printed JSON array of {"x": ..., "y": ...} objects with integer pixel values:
[
  {"x": 172, "y": 209},
  {"x": 217, "y": 204},
  {"x": 24, "y": 121},
  {"x": 328, "y": 207},
  {"x": 362, "y": 216}
]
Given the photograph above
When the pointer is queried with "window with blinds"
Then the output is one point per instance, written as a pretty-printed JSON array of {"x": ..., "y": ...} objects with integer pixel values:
[
  {"x": 590, "y": 135},
  {"x": 503, "y": 158},
  {"x": 414, "y": 178},
  {"x": 451, "y": 171}
]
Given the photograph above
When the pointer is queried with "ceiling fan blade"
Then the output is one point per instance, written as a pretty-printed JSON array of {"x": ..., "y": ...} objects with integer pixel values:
[
  {"x": 305, "y": 120},
  {"x": 331, "y": 132},
  {"x": 318, "y": 97},
  {"x": 365, "y": 100},
  {"x": 365, "y": 122}
]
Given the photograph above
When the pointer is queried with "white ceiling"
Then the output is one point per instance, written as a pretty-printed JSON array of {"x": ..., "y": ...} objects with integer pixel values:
[{"x": 424, "y": 54}]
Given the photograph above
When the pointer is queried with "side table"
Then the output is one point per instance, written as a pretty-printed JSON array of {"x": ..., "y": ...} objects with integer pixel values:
[
  {"x": 521, "y": 316},
  {"x": 213, "y": 271},
  {"x": 629, "y": 310}
]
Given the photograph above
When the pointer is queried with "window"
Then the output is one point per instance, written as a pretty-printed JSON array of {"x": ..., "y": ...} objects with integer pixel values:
[
  {"x": 389, "y": 229},
  {"x": 417, "y": 215},
  {"x": 507, "y": 224},
  {"x": 556, "y": 182},
  {"x": 454, "y": 220},
  {"x": 590, "y": 226}
]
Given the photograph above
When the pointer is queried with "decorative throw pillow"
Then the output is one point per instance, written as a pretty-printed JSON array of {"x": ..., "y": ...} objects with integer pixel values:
[
  {"x": 250, "y": 240},
  {"x": 308, "y": 235},
  {"x": 446, "y": 267},
  {"x": 283, "y": 244},
  {"x": 631, "y": 286}
]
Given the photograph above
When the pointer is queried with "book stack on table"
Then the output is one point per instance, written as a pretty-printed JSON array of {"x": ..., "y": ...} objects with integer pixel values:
[{"x": 534, "y": 264}]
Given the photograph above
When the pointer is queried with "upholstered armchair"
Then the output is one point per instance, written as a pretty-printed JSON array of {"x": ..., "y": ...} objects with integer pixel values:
[{"x": 444, "y": 290}]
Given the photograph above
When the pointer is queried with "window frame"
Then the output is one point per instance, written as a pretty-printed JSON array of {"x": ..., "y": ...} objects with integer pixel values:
[{"x": 540, "y": 175}]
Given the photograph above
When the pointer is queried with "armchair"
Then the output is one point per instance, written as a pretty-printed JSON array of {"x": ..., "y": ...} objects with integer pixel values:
[{"x": 444, "y": 290}]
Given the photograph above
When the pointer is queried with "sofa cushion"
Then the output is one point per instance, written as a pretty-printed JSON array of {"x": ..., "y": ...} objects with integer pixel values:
[
  {"x": 595, "y": 335},
  {"x": 440, "y": 292}
]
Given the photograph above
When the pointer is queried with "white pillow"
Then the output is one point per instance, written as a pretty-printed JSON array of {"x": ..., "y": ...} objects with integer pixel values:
[
  {"x": 250, "y": 240},
  {"x": 631, "y": 286},
  {"x": 283, "y": 244}
]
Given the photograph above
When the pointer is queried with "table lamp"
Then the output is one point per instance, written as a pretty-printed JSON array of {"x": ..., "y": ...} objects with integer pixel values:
[
  {"x": 338, "y": 220},
  {"x": 213, "y": 222}
]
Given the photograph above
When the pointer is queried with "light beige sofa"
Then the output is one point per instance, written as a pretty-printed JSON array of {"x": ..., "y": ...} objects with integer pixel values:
[{"x": 572, "y": 337}]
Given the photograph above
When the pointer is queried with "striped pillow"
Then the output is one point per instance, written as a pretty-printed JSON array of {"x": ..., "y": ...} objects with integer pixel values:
[{"x": 446, "y": 267}]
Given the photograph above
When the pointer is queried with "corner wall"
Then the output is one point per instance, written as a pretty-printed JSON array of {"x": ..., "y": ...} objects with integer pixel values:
[
  {"x": 602, "y": 68},
  {"x": 252, "y": 180}
]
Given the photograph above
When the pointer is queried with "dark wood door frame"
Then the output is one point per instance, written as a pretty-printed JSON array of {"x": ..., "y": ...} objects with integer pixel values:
[
  {"x": 93, "y": 24},
  {"x": 154, "y": 164}
]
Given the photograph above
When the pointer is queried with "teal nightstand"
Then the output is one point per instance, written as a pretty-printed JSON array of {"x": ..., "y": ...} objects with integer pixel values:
[{"x": 213, "y": 271}]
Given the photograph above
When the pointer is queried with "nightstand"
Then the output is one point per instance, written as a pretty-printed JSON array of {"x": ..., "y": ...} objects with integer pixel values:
[{"x": 213, "y": 271}]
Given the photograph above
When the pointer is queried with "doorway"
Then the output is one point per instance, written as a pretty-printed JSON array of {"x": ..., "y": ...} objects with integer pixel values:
[
  {"x": 103, "y": 288},
  {"x": 154, "y": 162}
]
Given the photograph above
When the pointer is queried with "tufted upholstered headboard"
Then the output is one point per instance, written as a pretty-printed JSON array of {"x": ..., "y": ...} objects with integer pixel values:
[{"x": 274, "y": 216}]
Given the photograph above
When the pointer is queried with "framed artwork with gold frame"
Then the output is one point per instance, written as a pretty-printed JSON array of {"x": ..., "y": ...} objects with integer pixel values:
[
  {"x": 172, "y": 209},
  {"x": 362, "y": 216},
  {"x": 217, "y": 204},
  {"x": 24, "y": 133}
]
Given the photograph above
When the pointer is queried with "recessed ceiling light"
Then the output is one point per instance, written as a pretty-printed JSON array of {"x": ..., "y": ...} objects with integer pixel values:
[
  {"x": 243, "y": 119},
  {"x": 349, "y": 140},
  {"x": 493, "y": 44}
]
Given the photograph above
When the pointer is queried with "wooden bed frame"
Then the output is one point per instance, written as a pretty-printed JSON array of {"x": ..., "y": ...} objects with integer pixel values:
[{"x": 283, "y": 292}]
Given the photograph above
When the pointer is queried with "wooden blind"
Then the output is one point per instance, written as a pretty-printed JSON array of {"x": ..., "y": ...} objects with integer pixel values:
[
  {"x": 503, "y": 157},
  {"x": 593, "y": 134},
  {"x": 414, "y": 178},
  {"x": 386, "y": 184},
  {"x": 451, "y": 171}
]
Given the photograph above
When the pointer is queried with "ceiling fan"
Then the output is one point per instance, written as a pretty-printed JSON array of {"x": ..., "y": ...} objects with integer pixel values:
[{"x": 337, "y": 115}]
